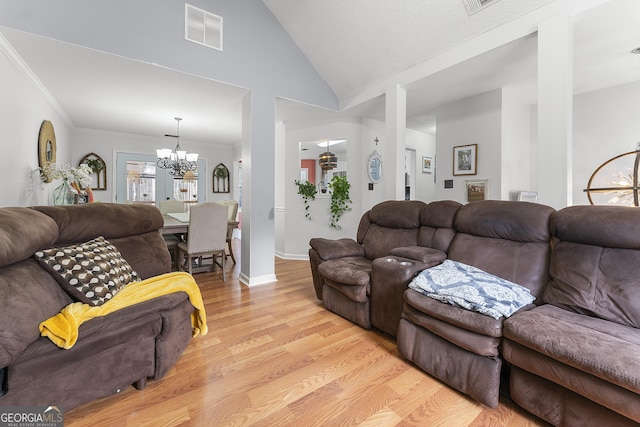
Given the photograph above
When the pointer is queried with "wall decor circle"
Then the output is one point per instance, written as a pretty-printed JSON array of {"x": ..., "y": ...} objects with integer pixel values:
[{"x": 46, "y": 149}]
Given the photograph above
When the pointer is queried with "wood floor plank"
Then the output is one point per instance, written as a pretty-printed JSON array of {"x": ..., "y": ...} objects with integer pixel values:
[{"x": 274, "y": 356}]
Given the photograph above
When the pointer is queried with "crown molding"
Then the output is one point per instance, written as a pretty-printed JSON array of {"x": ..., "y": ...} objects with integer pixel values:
[{"x": 24, "y": 69}]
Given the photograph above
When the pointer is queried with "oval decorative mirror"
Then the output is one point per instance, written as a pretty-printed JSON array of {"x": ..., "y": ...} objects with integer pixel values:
[
  {"x": 374, "y": 167},
  {"x": 46, "y": 149}
]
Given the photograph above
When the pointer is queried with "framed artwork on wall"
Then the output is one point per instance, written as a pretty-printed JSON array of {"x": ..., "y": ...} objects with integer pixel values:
[
  {"x": 476, "y": 190},
  {"x": 427, "y": 164},
  {"x": 465, "y": 159}
]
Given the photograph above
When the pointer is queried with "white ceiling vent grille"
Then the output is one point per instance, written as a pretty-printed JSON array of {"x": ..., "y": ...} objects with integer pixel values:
[
  {"x": 202, "y": 27},
  {"x": 474, "y": 6}
]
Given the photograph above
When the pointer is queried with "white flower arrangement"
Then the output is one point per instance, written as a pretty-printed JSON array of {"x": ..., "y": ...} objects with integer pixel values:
[{"x": 82, "y": 175}]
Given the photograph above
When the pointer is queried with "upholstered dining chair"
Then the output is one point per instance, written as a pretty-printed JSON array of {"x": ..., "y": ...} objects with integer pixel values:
[
  {"x": 172, "y": 206},
  {"x": 206, "y": 236},
  {"x": 233, "y": 213}
]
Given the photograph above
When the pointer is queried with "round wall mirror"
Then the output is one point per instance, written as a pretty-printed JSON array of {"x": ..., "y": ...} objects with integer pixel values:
[{"x": 374, "y": 167}]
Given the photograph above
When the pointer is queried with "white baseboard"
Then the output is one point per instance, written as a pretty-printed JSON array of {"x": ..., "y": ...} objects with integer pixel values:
[
  {"x": 294, "y": 257},
  {"x": 256, "y": 281}
]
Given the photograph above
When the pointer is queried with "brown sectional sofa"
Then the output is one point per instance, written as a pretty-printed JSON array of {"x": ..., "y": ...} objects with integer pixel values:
[
  {"x": 123, "y": 348},
  {"x": 571, "y": 358}
]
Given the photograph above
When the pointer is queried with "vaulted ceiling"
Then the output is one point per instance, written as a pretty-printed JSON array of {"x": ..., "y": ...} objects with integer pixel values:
[
  {"x": 357, "y": 43},
  {"x": 358, "y": 47}
]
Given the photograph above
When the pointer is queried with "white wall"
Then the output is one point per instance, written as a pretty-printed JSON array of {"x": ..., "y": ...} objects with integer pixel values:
[
  {"x": 295, "y": 229},
  {"x": 22, "y": 111},
  {"x": 517, "y": 161},
  {"x": 424, "y": 145},
  {"x": 475, "y": 120},
  {"x": 605, "y": 124}
]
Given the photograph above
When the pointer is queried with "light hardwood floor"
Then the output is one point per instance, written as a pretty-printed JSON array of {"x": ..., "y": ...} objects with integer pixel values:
[{"x": 274, "y": 356}]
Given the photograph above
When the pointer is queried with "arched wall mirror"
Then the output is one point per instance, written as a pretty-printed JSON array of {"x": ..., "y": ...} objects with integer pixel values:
[{"x": 374, "y": 167}]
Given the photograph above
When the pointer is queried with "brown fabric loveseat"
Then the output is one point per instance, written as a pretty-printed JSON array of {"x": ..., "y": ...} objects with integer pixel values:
[
  {"x": 395, "y": 240},
  {"x": 123, "y": 348}
]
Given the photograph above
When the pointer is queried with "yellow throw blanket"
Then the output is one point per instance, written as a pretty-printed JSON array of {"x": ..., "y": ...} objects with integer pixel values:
[{"x": 62, "y": 329}]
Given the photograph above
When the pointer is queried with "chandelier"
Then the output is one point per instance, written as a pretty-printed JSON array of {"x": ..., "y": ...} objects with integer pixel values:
[{"x": 177, "y": 160}]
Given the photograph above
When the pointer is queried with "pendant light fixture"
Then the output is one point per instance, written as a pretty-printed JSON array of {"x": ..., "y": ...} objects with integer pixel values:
[{"x": 177, "y": 161}]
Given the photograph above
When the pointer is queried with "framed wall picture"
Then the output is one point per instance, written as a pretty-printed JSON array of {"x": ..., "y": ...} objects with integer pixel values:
[
  {"x": 465, "y": 159},
  {"x": 476, "y": 190},
  {"x": 427, "y": 164}
]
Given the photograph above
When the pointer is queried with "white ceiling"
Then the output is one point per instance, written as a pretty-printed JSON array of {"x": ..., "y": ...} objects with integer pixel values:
[{"x": 353, "y": 44}]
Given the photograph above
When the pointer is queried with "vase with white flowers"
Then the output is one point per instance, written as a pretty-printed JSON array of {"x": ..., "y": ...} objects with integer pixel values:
[{"x": 74, "y": 181}]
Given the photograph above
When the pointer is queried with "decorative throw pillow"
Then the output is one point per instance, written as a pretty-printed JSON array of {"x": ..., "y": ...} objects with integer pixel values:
[{"x": 92, "y": 272}]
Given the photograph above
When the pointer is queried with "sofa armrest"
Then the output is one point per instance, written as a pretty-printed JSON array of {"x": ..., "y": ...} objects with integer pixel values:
[
  {"x": 421, "y": 254},
  {"x": 331, "y": 249}
]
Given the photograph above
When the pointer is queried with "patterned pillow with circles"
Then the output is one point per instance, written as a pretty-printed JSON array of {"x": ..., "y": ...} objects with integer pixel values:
[{"x": 91, "y": 272}]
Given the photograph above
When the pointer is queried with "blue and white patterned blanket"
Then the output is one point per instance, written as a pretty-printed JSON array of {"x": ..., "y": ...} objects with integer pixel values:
[{"x": 470, "y": 288}]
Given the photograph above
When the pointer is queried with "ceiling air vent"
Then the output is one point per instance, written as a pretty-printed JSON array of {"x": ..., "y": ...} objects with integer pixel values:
[
  {"x": 202, "y": 27},
  {"x": 474, "y": 6}
]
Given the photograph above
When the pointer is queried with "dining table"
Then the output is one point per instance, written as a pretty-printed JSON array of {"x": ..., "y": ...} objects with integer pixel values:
[{"x": 178, "y": 223}]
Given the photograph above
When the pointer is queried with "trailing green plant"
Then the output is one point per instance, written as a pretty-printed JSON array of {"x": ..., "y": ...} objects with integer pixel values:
[
  {"x": 308, "y": 192},
  {"x": 340, "y": 200}
]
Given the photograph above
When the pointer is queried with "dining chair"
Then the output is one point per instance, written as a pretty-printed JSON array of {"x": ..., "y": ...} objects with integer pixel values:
[
  {"x": 172, "y": 240},
  {"x": 170, "y": 206},
  {"x": 206, "y": 236},
  {"x": 232, "y": 205}
]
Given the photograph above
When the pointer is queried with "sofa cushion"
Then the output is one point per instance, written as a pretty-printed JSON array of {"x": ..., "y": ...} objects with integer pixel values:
[
  {"x": 592, "y": 264},
  {"x": 391, "y": 224},
  {"x": 79, "y": 223},
  {"x": 465, "y": 319},
  {"x": 28, "y": 296},
  {"x": 469, "y": 287},
  {"x": 501, "y": 219},
  {"x": 596, "y": 281},
  {"x": 92, "y": 272},
  {"x": 23, "y": 232},
  {"x": 355, "y": 271},
  {"x": 330, "y": 249},
  {"x": 598, "y": 347}
]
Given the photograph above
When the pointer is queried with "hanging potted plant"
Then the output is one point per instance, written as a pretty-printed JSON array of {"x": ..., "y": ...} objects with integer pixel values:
[
  {"x": 308, "y": 192},
  {"x": 339, "y": 187}
]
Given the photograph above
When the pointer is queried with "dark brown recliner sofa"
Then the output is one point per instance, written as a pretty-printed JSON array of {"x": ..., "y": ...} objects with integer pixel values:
[
  {"x": 576, "y": 358},
  {"x": 363, "y": 280},
  {"x": 574, "y": 355},
  {"x": 123, "y": 348},
  {"x": 510, "y": 240}
]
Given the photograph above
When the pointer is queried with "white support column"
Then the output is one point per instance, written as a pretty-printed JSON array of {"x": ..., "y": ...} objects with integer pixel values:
[
  {"x": 395, "y": 137},
  {"x": 555, "y": 111},
  {"x": 257, "y": 264}
]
